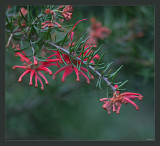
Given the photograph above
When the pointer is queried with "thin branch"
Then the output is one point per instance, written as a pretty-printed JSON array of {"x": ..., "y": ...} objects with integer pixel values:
[
  {"x": 9, "y": 40},
  {"x": 92, "y": 68},
  {"x": 32, "y": 47}
]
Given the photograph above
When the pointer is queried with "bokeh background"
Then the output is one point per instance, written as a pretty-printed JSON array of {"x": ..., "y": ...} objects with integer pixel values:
[{"x": 71, "y": 110}]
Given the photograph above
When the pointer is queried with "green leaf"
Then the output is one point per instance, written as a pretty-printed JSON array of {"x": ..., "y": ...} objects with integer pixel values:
[
  {"x": 122, "y": 84},
  {"x": 72, "y": 62},
  {"x": 68, "y": 26},
  {"x": 106, "y": 68},
  {"x": 23, "y": 16},
  {"x": 58, "y": 29},
  {"x": 88, "y": 52},
  {"x": 95, "y": 52},
  {"x": 59, "y": 16},
  {"x": 114, "y": 74},
  {"x": 62, "y": 58},
  {"x": 97, "y": 83},
  {"x": 100, "y": 59},
  {"x": 77, "y": 45},
  {"x": 100, "y": 83},
  {"x": 7, "y": 19},
  {"x": 63, "y": 38},
  {"x": 28, "y": 14},
  {"x": 85, "y": 40}
]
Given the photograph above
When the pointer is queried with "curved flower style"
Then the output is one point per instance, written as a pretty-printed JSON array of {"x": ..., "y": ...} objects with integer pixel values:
[
  {"x": 34, "y": 69},
  {"x": 115, "y": 102}
]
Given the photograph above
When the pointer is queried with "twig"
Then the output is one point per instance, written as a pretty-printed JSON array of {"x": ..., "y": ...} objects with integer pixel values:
[
  {"x": 9, "y": 40},
  {"x": 32, "y": 47}
]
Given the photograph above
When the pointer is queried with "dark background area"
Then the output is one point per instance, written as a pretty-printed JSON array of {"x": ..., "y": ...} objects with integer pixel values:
[{"x": 71, "y": 110}]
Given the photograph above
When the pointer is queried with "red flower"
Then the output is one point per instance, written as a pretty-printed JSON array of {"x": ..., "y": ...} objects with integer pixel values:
[
  {"x": 47, "y": 11},
  {"x": 66, "y": 12},
  {"x": 97, "y": 31},
  {"x": 34, "y": 68},
  {"x": 8, "y": 7},
  {"x": 70, "y": 68},
  {"x": 23, "y": 24},
  {"x": 101, "y": 33},
  {"x": 24, "y": 11},
  {"x": 115, "y": 102},
  {"x": 49, "y": 24}
]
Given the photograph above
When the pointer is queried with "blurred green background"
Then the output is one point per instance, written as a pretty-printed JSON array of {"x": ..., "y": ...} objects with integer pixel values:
[{"x": 71, "y": 110}]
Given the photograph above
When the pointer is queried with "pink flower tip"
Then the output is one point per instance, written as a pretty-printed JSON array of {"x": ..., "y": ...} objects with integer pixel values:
[
  {"x": 54, "y": 77},
  {"x": 30, "y": 84},
  {"x": 13, "y": 67},
  {"x": 92, "y": 77},
  {"x": 137, "y": 108},
  {"x": 116, "y": 86},
  {"x": 140, "y": 98},
  {"x": 77, "y": 80},
  {"x": 36, "y": 86},
  {"x": 103, "y": 106},
  {"x": 46, "y": 83},
  {"x": 42, "y": 88},
  {"x": 52, "y": 12},
  {"x": 101, "y": 100},
  {"x": 88, "y": 82},
  {"x": 20, "y": 80}
]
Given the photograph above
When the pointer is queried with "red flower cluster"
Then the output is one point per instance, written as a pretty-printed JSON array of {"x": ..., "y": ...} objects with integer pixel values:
[
  {"x": 66, "y": 13},
  {"x": 33, "y": 67},
  {"x": 115, "y": 102},
  {"x": 49, "y": 24},
  {"x": 47, "y": 11},
  {"x": 70, "y": 67},
  {"x": 97, "y": 31}
]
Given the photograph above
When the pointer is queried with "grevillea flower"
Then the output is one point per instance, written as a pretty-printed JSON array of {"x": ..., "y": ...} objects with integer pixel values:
[
  {"x": 47, "y": 11},
  {"x": 24, "y": 11},
  {"x": 97, "y": 31},
  {"x": 66, "y": 13},
  {"x": 70, "y": 68},
  {"x": 34, "y": 68},
  {"x": 101, "y": 33},
  {"x": 118, "y": 99},
  {"x": 49, "y": 24},
  {"x": 72, "y": 63}
]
